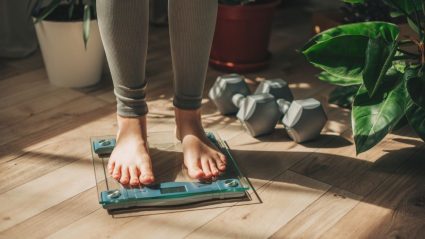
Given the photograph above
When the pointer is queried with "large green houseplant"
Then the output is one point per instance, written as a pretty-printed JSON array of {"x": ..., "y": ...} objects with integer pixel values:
[{"x": 389, "y": 78}]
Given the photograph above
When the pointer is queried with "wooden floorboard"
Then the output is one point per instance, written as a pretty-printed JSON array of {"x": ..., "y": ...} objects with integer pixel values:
[
  {"x": 319, "y": 189},
  {"x": 395, "y": 209},
  {"x": 320, "y": 216}
]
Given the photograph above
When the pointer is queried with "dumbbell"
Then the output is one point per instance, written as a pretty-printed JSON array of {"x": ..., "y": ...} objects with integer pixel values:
[
  {"x": 230, "y": 94},
  {"x": 303, "y": 119},
  {"x": 259, "y": 113},
  {"x": 227, "y": 86},
  {"x": 276, "y": 87},
  {"x": 223, "y": 90}
]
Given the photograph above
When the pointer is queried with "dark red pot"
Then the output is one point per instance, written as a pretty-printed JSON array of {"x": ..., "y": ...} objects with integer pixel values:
[{"x": 242, "y": 37}]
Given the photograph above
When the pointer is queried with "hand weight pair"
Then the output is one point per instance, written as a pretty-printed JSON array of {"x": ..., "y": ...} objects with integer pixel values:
[{"x": 260, "y": 112}]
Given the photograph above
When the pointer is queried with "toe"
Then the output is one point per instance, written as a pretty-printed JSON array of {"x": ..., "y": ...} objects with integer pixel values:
[
  {"x": 117, "y": 172},
  {"x": 125, "y": 178},
  {"x": 147, "y": 179},
  {"x": 213, "y": 167},
  {"x": 146, "y": 175},
  {"x": 222, "y": 158},
  {"x": 134, "y": 177},
  {"x": 220, "y": 165},
  {"x": 195, "y": 171},
  {"x": 111, "y": 166},
  {"x": 206, "y": 168}
]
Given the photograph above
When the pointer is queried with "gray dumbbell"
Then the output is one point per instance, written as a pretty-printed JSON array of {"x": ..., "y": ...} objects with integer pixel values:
[
  {"x": 258, "y": 113},
  {"x": 303, "y": 119},
  {"x": 223, "y": 90},
  {"x": 276, "y": 87},
  {"x": 230, "y": 94}
]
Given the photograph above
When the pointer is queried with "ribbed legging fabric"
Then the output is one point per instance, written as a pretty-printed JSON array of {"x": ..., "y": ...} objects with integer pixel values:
[{"x": 124, "y": 31}]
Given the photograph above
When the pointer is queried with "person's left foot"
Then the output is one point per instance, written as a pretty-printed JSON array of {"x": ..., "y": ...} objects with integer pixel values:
[{"x": 202, "y": 159}]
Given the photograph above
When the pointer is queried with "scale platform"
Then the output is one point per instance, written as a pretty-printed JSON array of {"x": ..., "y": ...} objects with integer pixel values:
[{"x": 173, "y": 188}]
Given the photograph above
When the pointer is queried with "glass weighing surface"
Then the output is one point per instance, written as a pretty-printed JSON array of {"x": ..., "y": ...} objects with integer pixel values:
[{"x": 173, "y": 188}]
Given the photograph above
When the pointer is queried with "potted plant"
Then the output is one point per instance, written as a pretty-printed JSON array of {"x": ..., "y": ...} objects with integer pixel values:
[
  {"x": 242, "y": 35},
  {"x": 388, "y": 77},
  {"x": 70, "y": 42}
]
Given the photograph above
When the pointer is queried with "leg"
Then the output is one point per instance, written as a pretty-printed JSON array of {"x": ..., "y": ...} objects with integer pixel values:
[
  {"x": 192, "y": 24},
  {"x": 123, "y": 27}
]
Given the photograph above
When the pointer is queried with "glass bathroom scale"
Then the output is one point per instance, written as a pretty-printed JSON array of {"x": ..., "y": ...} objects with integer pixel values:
[{"x": 173, "y": 188}]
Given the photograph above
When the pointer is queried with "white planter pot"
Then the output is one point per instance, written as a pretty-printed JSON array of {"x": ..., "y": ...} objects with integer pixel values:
[{"x": 67, "y": 62}]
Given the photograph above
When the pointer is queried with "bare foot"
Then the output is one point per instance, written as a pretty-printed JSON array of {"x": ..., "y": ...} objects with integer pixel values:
[
  {"x": 130, "y": 162},
  {"x": 201, "y": 157}
]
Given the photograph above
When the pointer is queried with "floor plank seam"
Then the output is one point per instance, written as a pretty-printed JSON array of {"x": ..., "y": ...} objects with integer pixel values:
[
  {"x": 371, "y": 191},
  {"x": 306, "y": 208},
  {"x": 41, "y": 212},
  {"x": 68, "y": 102},
  {"x": 68, "y": 225},
  {"x": 41, "y": 175},
  {"x": 81, "y": 116}
]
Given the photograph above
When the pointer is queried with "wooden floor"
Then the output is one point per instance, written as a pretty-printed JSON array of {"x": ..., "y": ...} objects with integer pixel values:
[{"x": 315, "y": 190}]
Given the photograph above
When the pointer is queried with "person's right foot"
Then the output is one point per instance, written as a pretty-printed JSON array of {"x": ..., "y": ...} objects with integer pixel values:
[{"x": 130, "y": 162}]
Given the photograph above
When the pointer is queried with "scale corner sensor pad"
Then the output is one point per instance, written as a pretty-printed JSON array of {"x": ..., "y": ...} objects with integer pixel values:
[{"x": 174, "y": 191}]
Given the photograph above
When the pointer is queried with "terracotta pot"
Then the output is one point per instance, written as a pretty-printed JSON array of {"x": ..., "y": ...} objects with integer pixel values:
[{"x": 242, "y": 37}]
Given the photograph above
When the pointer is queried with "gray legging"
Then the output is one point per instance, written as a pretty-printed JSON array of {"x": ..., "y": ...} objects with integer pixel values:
[{"x": 124, "y": 30}]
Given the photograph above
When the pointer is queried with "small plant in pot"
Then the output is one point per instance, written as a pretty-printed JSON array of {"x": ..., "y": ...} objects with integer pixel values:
[
  {"x": 70, "y": 42},
  {"x": 388, "y": 78},
  {"x": 242, "y": 35}
]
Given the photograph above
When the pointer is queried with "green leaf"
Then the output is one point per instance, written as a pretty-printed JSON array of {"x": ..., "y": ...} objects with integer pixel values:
[
  {"x": 71, "y": 10},
  {"x": 373, "y": 118},
  {"x": 416, "y": 117},
  {"x": 86, "y": 24},
  {"x": 343, "y": 95},
  {"x": 400, "y": 66},
  {"x": 413, "y": 25},
  {"x": 389, "y": 31},
  {"x": 401, "y": 123},
  {"x": 327, "y": 77},
  {"x": 379, "y": 57},
  {"x": 409, "y": 9},
  {"x": 415, "y": 85},
  {"x": 407, "y": 6},
  {"x": 342, "y": 56},
  {"x": 47, "y": 10}
]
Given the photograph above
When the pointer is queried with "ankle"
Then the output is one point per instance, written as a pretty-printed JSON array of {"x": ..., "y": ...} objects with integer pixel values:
[
  {"x": 135, "y": 126},
  {"x": 187, "y": 122}
]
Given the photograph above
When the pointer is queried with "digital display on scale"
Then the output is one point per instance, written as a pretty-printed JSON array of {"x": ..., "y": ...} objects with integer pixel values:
[{"x": 180, "y": 189}]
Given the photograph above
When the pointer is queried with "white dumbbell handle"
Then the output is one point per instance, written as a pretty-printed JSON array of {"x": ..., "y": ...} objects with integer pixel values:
[
  {"x": 238, "y": 99},
  {"x": 283, "y": 105}
]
